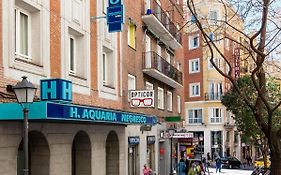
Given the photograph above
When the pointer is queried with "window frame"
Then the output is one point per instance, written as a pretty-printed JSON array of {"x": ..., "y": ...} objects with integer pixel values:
[
  {"x": 160, "y": 101},
  {"x": 72, "y": 72},
  {"x": 18, "y": 54},
  {"x": 191, "y": 41},
  {"x": 169, "y": 101},
  {"x": 133, "y": 78},
  {"x": 147, "y": 84},
  {"x": 179, "y": 103},
  {"x": 218, "y": 118},
  {"x": 192, "y": 65},
  {"x": 132, "y": 28},
  {"x": 191, "y": 85},
  {"x": 193, "y": 118}
]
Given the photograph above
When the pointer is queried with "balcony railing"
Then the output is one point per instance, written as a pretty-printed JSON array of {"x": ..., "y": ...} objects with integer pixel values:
[
  {"x": 153, "y": 61},
  {"x": 161, "y": 15},
  {"x": 213, "y": 96}
]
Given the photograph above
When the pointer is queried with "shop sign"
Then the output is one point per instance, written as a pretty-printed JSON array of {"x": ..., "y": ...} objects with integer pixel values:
[
  {"x": 173, "y": 118},
  {"x": 134, "y": 140},
  {"x": 68, "y": 112},
  {"x": 56, "y": 90},
  {"x": 183, "y": 135},
  {"x": 150, "y": 140},
  {"x": 141, "y": 98}
]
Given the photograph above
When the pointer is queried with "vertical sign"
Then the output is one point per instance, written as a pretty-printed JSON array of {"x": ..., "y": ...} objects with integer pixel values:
[
  {"x": 115, "y": 15},
  {"x": 236, "y": 63}
]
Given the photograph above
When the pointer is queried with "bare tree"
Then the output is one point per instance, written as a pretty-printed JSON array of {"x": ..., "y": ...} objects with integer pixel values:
[{"x": 253, "y": 28}]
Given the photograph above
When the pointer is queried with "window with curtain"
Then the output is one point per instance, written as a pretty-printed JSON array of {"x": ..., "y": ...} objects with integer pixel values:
[
  {"x": 195, "y": 116},
  {"x": 132, "y": 35}
]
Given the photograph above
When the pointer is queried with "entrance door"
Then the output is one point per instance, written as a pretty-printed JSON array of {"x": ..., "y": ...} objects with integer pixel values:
[{"x": 132, "y": 160}]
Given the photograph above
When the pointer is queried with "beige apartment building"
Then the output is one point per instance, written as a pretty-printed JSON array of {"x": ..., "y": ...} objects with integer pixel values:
[{"x": 204, "y": 87}]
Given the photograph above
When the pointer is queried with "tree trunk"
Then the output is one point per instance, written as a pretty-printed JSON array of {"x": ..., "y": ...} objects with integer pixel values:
[{"x": 275, "y": 155}]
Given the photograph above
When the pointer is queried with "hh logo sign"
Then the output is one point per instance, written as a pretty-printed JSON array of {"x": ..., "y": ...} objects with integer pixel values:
[{"x": 56, "y": 90}]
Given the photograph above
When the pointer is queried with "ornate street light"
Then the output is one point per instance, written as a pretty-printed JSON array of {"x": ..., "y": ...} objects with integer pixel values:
[
  {"x": 25, "y": 92},
  {"x": 171, "y": 133}
]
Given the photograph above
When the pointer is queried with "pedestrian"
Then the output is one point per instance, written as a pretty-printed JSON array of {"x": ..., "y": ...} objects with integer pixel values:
[
  {"x": 205, "y": 165},
  {"x": 192, "y": 168},
  {"x": 218, "y": 163},
  {"x": 187, "y": 165},
  {"x": 249, "y": 160},
  {"x": 146, "y": 170},
  {"x": 182, "y": 167},
  {"x": 209, "y": 159}
]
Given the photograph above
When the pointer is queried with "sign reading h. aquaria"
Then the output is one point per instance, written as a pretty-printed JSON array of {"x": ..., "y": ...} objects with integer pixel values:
[{"x": 81, "y": 113}]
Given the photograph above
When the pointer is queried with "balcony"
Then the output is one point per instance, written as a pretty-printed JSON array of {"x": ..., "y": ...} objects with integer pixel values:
[
  {"x": 161, "y": 25},
  {"x": 213, "y": 96},
  {"x": 158, "y": 68},
  {"x": 228, "y": 126}
]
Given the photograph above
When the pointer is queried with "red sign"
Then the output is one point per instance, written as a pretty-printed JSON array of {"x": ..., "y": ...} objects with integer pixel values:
[{"x": 236, "y": 63}]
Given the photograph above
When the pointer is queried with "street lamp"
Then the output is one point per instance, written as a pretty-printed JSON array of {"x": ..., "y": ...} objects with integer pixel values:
[
  {"x": 25, "y": 92},
  {"x": 171, "y": 133}
]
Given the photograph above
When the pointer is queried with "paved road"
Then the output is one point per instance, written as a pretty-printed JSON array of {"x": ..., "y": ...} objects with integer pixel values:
[{"x": 231, "y": 172}]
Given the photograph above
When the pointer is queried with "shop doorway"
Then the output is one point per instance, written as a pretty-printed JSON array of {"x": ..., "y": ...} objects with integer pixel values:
[
  {"x": 112, "y": 154},
  {"x": 39, "y": 155},
  {"x": 81, "y": 154}
]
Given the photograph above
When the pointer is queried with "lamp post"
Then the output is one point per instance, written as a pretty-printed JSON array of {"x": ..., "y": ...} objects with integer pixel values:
[
  {"x": 25, "y": 92},
  {"x": 171, "y": 133}
]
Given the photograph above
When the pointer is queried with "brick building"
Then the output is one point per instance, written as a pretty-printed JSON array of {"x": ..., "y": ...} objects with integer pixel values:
[{"x": 69, "y": 40}]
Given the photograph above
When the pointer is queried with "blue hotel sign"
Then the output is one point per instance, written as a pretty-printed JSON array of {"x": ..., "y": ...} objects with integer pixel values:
[
  {"x": 115, "y": 15},
  {"x": 56, "y": 90}
]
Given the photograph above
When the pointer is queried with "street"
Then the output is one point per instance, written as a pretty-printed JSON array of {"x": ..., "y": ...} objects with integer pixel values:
[{"x": 231, "y": 172}]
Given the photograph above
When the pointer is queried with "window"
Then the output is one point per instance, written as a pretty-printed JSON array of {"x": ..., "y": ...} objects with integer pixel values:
[
  {"x": 72, "y": 57},
  {"x": 217, "y": 61},
  {"x": 131, "y": 82},
  {"x": 104, "y": 6},
  {"x": 215, "y": 90},
  {"x": 108, "y": 69},
  {"x": 22, "y": 34},
  {"x": 215, "y": 115},
  {"x": 148, "y": 86},
  {"x": 212, "y": 36},
  {"x": 194, "y": 89},
  {"x": 213, "y": 16},
  {"x": 160, "y": 98},
  {"x": 194, "y": 65},
  {"x": 195, "y": 116},
  {"x": 194, "y": 41},
  {"x": 179, "y": 103},
  {"x": 169, "y": 101},
  {"x": 192, "y": 18},
  {"x": 226, "y": 43},
  {"x": 132, "y": 35}
]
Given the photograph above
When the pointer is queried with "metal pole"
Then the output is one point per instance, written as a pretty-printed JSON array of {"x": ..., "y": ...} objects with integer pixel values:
[
  {"x": 171, "y": 161},
  {"x": 25, "y": 141}
]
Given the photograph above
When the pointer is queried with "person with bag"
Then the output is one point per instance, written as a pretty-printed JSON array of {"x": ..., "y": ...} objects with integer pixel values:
[{"x": 218, "y": 163}]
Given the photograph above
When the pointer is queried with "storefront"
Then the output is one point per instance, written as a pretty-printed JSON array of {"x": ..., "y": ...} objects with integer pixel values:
[{"x": 65, "y": 138}]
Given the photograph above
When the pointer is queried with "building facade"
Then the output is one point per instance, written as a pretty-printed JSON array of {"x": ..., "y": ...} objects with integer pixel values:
[
  {"x": 212, "y": 125},
  {"x": 111, "y": 75}
]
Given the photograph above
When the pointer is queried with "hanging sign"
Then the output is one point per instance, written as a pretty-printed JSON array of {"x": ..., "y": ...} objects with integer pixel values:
[{"x": 115, "y": 15}]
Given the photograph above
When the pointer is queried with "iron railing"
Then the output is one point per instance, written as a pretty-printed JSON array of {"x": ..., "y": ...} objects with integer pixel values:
[
  {"x": 151, "y": 60},
  {"x": 213, "y": 96},
  {"x": 162, "y": 16}
]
